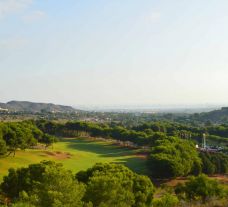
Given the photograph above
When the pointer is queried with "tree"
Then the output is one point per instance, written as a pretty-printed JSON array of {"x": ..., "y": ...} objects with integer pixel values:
[
  {"x": 112, "y": 184},
  {"x": 24, "y": 179},
  {"x": 18, "y": 135},
  {"x": 200, "y": 188},
  {"x": 109, "y": 191},
  {"x": 46, "y": 184},
  {"x": 48, "y": 140},
  {"x": 214, "y": 163},
  {"x": 58, "y": 188},
  {"x": 3, "y": 147},
  {"x": 207, "y": 166},
  {"x": 172, "y": 157}
]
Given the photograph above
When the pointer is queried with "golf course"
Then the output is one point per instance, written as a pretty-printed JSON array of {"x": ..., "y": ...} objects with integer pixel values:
[{"x": 77, "y": 154}]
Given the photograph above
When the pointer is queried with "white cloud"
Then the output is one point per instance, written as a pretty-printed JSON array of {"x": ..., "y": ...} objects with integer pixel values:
[
  {"x": 13, "y": 6},
  {"x": 34, "y": 16}
]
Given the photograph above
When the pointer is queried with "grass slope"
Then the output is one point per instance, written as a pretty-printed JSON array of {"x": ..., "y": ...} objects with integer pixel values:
[{"x": 84, "y": 153}]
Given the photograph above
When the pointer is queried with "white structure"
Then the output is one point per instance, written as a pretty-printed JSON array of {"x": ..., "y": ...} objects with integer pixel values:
[
  {"x": 1, "y": 109},
  {"x": 204, "y": 145}
]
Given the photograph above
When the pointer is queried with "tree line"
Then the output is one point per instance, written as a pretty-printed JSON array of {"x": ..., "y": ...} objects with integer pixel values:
[
  {"x": 173, "y": 152},
  {"x": 141, "y": 134},
  {"x": 172, "y": 149},
  {"x": 21, "y": 135}
]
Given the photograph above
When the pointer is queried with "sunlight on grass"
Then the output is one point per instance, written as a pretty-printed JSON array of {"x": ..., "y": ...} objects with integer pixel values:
[{"x": 76, "y": 154}]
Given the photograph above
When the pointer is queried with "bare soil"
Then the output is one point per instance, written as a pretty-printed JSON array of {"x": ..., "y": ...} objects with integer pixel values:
[{"x": 59, "y": 155}]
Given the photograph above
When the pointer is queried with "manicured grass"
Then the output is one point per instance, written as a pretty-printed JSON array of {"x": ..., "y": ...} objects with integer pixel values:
[{"x": 82, "y": 154}]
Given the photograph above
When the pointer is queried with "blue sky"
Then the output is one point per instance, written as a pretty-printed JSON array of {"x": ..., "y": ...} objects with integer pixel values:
[{"x": 110, "y": 52}]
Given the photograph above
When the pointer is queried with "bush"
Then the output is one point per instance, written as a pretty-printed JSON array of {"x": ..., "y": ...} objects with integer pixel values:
[
  {"x": 167, "y": 200},
  {"x": 200, "y": 188}
]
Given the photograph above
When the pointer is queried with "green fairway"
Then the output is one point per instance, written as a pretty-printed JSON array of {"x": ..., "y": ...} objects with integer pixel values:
[{"x": 77, "y": 154}]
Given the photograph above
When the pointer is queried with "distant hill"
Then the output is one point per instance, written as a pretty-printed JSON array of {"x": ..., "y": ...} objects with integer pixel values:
[
  {"x": 26, "y": 106},
  {"x": 218, "y": 116}
]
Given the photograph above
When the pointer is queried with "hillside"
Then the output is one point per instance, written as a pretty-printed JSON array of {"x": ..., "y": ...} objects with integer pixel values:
[
  {"x": 25, "y": 106},
  {"x": 216, "y": 116}
]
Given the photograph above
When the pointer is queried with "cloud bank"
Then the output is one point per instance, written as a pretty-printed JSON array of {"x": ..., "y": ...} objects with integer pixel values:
[{"x": 13, "y": 6}]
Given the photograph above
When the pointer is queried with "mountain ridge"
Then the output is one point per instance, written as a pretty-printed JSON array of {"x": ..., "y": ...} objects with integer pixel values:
[
  {"x": 217, "y": 116},
  {"x": 35, "y": 107}
]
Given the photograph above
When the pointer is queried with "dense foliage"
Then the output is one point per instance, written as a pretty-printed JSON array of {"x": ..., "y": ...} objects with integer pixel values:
[
  {"x": 48, "y": 184},
  {"x": 172, "y": 153},
  {"x": 172, "y": 144},
  {"x": 141, "y": 134},
  {"x": 167, "y": 200},
  {"x": 173, "y": 150},
  {"x": 21, "y": 135},
  {"x": 200, "y": 188},
  {"x": 172, "y": 157},
  {"x": 214, "y": 163},
  {"x": 116, "y": 185}
]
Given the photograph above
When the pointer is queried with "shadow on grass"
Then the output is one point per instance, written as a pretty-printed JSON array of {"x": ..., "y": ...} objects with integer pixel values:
[
  {"x": 136, "y": 164},
  {"x": 100, "y": 148}
]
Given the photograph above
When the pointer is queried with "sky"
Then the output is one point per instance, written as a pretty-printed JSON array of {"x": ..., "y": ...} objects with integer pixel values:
[{"x": 114, "y": 52}]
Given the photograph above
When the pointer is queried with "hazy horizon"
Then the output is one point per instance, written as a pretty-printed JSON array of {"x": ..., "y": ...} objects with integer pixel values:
[
  {"x": 110, "y": 53},
  {"x": 130, "y": 107}
]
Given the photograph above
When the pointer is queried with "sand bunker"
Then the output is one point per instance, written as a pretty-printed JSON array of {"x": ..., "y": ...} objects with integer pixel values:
[{"x": 59, "y": 155}]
